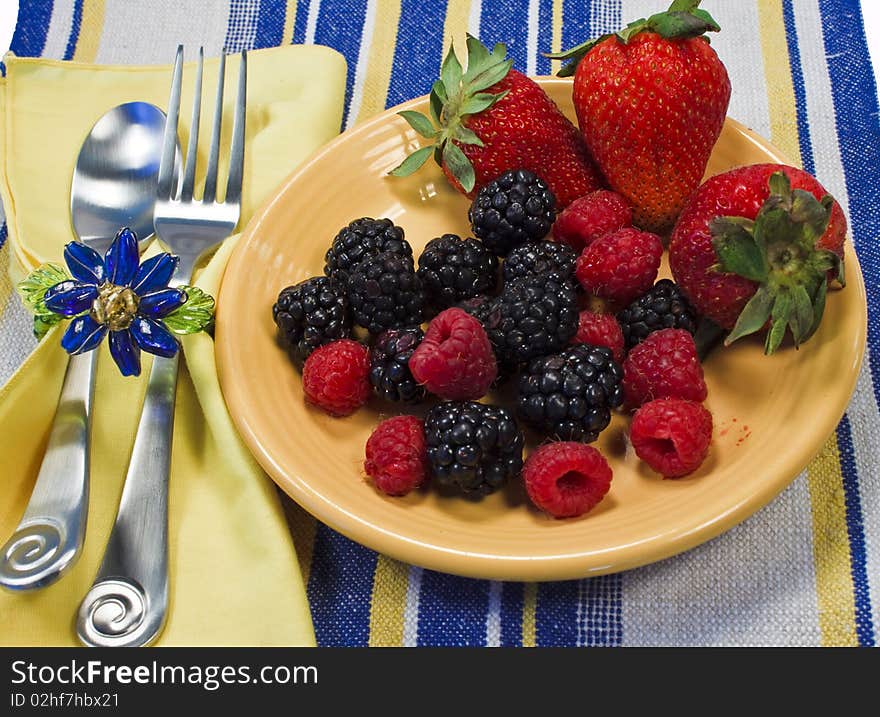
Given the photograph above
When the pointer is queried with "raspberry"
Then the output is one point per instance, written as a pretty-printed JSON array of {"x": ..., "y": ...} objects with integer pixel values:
[
  {"x": 591, "y": 216},
  {"x": 397, "y": 459},
  {"x": 672, "y": 436},
  {"x": 335, "y": 377},
  {"x": 566, "y": 479},
  {"x": 621, "y": 265},
  {"x": 600, "y": 330},
  {"x": 664, "y": 365},
  {"x": 455, "y": 359}
]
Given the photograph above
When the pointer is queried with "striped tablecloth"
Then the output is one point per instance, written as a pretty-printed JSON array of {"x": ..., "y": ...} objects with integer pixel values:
[{"x": 803, "y": 571}]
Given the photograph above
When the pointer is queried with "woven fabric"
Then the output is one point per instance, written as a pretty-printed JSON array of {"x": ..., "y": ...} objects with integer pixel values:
[{"x": 805, "y": 570}]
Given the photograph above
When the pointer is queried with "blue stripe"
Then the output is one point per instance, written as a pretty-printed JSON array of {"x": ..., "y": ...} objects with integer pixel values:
[
  {"x": 606, "y": 16},
  {"x": 508, "y": 23},
  {"x": 854, "y": 92},
  {"x": 800, "y": 94},
  {"x": 340, "y": 589},
  {"x": 241, "y": 25},
  {"x": 856, "y": 531},
  {"x": 602, "y": 611},
  {"x": 32, "y": 28},
  {"x": 340, "y": 26},
  {"x": 74, "y": 30},
  {"x": 575, "y": 23},
  {"x": 512, "y": 600},
  {"x": 452, "y": 611},
  {"x": 556, "y": 614},
  {"x": 419, "y": 50},
  {"x": 3, "y": 235},
  {"x": 545, "y": 36},
  {"x": 270, "y": 24},
  {"x": 300, "y": 22}
]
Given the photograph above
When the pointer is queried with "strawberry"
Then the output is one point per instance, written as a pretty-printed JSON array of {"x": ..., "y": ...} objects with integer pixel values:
[
  {"x": 492, "y": 119},
  {"x": 651, "y": 101},
  {"x": 759, "y": 244}
]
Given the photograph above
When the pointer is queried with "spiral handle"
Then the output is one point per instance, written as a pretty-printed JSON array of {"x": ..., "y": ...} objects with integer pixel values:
[{"x": 113, "y": 615}]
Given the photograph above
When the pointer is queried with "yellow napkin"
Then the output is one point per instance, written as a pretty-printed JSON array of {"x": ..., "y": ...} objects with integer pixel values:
[{"x": 234, "y": 574}]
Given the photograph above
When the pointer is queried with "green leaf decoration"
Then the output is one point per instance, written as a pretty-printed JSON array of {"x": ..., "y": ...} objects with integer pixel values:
[
  {"x": 44, "y": 322},
  {"x": 459, "y": 165},
  {"x": 737, "y": 250},
  {"x": 419, "y": 123},
  {"x": 194, "y": 315},
  {"x": 413, "y": 162},
  {"x": 34, "y": 286},
  {"x": 753, "y": 316}
]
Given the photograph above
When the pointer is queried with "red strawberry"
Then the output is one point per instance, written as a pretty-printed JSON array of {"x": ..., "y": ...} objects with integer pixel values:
[
  {"x": 491, "y": 119},
  {"x": 757, "y": 243},
  {"x": 651, "y": 101}
]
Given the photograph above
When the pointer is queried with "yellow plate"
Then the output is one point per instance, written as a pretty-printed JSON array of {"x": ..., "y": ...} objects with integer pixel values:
[{"x": 772, "y": 414}]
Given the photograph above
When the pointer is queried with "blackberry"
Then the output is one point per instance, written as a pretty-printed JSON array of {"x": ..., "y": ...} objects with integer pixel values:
[
  {"x": 540, "y": 258},
  {"x": 662, "y": 307},
  {"x": 384, "y": 292},
  {"x": 533, "y": 316},
  {"x": 389, "y": 367},
  {"x": 361, "y": 239},
  {"x": 311, "y": 314},
  {"x": 515, "y": 208},
  {"x": 569, "y": 396},
  {"x": 453, "y": 269},
  {"x": 473, "y": 446}
]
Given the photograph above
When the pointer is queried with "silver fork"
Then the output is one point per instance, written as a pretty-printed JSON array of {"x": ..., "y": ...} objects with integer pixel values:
[{"x": 127, "y": 604}]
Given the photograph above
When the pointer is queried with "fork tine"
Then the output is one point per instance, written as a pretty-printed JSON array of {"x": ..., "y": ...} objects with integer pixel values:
[
  {"x": 165, "y": 186},
  {"x": 214, "y": 155},
  {"x": 189, "y": 173},
  {"x": 236, "y": 154}
]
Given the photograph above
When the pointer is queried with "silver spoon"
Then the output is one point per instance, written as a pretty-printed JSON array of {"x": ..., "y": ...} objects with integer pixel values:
[{"x": 114, "y": 185}]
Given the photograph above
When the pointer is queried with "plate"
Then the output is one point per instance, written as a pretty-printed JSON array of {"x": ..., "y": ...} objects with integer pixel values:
[{"x": 764, "y": 435}]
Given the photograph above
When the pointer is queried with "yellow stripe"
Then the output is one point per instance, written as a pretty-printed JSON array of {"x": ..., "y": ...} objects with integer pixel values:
[
  {"x": 5, "y": 282},
  {"x": 530, "y": 600},
  {"x": 455, "y": 26},
  {"x": 289, "y": 21},
  {"x": 90, "y": 30},
  {"x": 388, "y": 603},
  {"x": 381, "y": 59},
  {"x": 831, "y": 553},
  {"x": 556, "y": 40}
]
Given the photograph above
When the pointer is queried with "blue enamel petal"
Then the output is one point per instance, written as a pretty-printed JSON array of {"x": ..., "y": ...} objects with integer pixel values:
[
  {"x": 121, "y": 260},
  {"x": 84, "y": 263},
  {"x": 70, "y": 298},
  {"x": 155, "y": 273},
  {"x": 160, "y": 303},
  {"x": 83, "y": 334},
  {"x": 125, "y": 353},
  {"x": 153, "y": 337}
]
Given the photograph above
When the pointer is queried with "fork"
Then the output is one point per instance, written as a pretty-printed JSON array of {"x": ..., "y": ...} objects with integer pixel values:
[{"x": 127, "y": 604}]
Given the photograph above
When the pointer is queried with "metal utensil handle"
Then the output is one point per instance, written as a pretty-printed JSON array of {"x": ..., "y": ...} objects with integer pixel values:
[
  {"x": 127, "y": 603},
  {"x": 50, "y": 535}
]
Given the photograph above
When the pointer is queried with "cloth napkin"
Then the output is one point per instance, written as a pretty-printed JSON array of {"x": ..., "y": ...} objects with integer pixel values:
[{"x": 235, "y": 579}]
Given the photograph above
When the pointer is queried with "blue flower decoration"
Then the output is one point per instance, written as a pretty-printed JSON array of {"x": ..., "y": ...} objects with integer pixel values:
[{"x": 117, "y": 295}]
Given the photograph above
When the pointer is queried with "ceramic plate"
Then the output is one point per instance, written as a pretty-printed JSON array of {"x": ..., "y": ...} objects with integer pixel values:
[{"x": 764, "y": 432}]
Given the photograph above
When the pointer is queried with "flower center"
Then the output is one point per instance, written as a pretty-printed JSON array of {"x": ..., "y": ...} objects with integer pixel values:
[{"x": 115, "y": 306}]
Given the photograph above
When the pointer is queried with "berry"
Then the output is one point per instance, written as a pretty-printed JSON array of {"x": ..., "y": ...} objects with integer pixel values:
[
  {"x": 389, "y": 365},
  {"x": 664, "y": 365},
  {"x": 335, "y": 377},
  {"x": 473, "y": 446},
  {"x": 802, "y": 237},
  {"x": 519, "y": 127},
  {"x": 361, "y": 239},
  {"x": 517, "y": 207},
  {"x": 600, "y": 330},
  {"x": 569, "y": 396},
  {"x": 651, "y": 108},
  {"x": 384, "y": 292},
  {"x": 455, "y": 360},
  {"x": 533, "y": 316},
  {"x": 566, "y": 479},
  {"x": 396, "y": 456},
  {"x": 589, "y": 217},
  {"x": 311, "y": 314},
  {"x": 537, "y": 258},
  {"x": 663, "y": 307},
  {"x": 672, "y": 436},
  {"x": 453, "y": 269},
  {"x": 621, "y": 265}
]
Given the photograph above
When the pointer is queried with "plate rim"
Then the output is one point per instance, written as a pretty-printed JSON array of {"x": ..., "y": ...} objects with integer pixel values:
[{"x": 476, "y": 565}]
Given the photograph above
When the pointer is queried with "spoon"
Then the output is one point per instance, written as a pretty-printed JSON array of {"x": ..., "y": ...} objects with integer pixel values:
[{"x": 114, "y": 185}]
